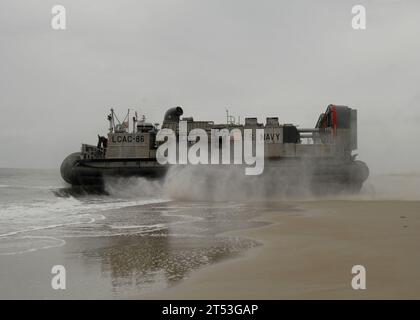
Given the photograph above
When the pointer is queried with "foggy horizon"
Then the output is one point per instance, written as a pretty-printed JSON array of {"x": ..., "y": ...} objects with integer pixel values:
[{"x": 257, "y": 59}]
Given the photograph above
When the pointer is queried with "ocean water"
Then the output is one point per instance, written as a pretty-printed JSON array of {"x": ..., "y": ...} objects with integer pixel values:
[
  {"x": 132, "y": 239},
  {"x": 37, "y": 201}
]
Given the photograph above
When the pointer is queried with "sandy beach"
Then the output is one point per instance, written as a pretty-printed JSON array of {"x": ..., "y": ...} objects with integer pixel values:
[{"x": 308, "y": 253}]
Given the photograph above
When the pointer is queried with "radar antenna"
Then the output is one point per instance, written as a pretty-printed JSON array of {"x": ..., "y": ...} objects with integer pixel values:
[{"x": 230, "y": 119}]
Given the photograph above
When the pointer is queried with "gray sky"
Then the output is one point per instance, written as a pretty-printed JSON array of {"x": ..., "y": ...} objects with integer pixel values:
[{"x": 259, "y": 58}]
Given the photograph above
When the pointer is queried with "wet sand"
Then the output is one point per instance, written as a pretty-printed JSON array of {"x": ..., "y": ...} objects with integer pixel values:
[{"x": 308, "y": 253}]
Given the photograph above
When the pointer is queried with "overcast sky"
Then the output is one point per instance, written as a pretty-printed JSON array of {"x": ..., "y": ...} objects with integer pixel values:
[{"x": 259, "y": 58}]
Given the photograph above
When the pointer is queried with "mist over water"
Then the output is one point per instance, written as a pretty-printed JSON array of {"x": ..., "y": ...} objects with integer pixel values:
[
  {"x": 134, "y": 188},
  {"x": 405, "y": 187},
  {"x": 214, "y": 183}
]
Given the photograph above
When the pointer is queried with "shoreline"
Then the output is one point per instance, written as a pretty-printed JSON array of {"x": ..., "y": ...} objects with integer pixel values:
[
  {"x": 309, "y": 254},
  {"x": 124, "y": 251}
]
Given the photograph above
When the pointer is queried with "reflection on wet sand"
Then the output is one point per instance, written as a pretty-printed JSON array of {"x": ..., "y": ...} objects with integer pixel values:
[{"x": 184, "y": 238}]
